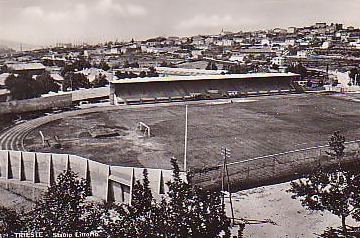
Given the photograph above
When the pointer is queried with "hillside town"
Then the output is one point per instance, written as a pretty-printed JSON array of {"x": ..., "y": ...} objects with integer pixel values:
[{"x": 319, "y": 53}]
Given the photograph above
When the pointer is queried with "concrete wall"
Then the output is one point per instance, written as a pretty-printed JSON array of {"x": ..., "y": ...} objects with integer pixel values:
[
  {"x": 110, "y": 183},
  {"x": 35, "y": 104},
  {"x": 91, "y": 93}
]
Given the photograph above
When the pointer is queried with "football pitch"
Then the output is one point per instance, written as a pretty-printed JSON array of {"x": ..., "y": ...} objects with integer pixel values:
[{"x": 249, "y": 128}]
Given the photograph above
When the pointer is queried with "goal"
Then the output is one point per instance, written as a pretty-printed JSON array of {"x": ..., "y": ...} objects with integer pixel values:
[{"x": 144, "y": 129}]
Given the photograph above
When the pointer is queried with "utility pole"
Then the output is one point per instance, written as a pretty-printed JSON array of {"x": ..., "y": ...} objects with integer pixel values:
[
  {"x": 226, "y": 154},
  {"x": 186, "y": 132}
]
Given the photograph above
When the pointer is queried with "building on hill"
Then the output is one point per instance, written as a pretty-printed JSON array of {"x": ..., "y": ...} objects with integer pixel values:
[
  {"x": 179, "y": 88},
  {"x": 25, "y": 68}
]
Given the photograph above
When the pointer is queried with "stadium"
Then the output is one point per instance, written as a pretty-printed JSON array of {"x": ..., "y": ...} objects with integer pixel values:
[{"x": 270, "y": 136}]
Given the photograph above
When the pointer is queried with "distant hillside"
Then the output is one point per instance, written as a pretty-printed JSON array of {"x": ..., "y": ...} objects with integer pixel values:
[
  {"x": 5, "y": 44},
  {"x": 5, "y": 49}
]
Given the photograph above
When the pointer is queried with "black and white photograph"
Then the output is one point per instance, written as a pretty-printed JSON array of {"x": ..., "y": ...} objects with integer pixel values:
[{"x": 180, "y": 118}]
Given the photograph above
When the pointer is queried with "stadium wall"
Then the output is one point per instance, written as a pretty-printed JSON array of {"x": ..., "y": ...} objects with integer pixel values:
[
  {"x": 29, "y": 173},
  {"x": 35, "y": 104}
]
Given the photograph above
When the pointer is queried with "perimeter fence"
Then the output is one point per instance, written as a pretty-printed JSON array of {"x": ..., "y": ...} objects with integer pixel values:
[{"x": 273, "y": 168}]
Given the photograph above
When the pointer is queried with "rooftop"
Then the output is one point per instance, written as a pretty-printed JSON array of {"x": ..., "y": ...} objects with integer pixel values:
[
  {"x": 203, "y": 77},
  {"x": 26, "y": 66},
  {"x": 4, "y": 92}
]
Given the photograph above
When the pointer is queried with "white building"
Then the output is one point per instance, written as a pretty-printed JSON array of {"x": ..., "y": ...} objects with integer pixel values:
[
  {"x": 265, "y": 42},
  {"x": 291, "y": 30},
  {"x": 278, "y": 61},
  {"x": 302, "y": 53},
  {"x": 291, "y": 42},
  {"x": 237, "y": 57},
  {"x": 326, "y": 45}
]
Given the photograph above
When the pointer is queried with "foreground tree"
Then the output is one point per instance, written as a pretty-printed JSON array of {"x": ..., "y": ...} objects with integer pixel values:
[
  {"x": 337, "y": 145},
  {"x": 186, "y": 211},
  {"x": 192, "y": 211},
  {"x": 9, "y": 221},
  {"x": 336, "y": 190},
  {"x": 61, "y": 208}
]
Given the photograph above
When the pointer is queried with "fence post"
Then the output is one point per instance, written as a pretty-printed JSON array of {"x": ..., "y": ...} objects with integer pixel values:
[
  {"x": 248, "y": 174},
  {"x": 274, "y": 167}
]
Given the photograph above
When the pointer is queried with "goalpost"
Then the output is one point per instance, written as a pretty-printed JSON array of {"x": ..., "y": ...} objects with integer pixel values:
[{"x": 145, "y": 129}]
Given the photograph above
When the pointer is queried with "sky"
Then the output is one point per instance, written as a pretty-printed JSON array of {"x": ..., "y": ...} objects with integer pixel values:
[{"x": 45, "y": 22}]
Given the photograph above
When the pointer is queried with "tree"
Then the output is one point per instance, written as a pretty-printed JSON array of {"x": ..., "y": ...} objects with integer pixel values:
[
  {"x": 104, "y": 66},
  {"x": 68, "y": 68},
  {"x": 100, "y": 81},
  {"x": 22, "y": 86},
  {"x": 336, "y": 190},
  {"x": 337, "y": 145},
  {"x": 131, "y": 65},
  {"x": 142, "y": 74},
  {"x": 45, "y": 83},
  {"x": 9, "y": 221},
  {"x": 238, "y": 69},
  {"x": 201, "y": 212},
  {"x": 211, "y": 66},
  {"x": 61, "y": 208},
  {"x": 354, "y": 75},
  {"x": 75, "y": 81},
  {"x": 297, "y": 69},
  {"x": 152, "y": 72}
]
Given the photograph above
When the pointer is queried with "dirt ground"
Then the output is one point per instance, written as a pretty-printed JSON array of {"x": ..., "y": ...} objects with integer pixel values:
[
  {"x": 274, "y": 203},
  {"x": 14, "y": 201},
  {"x": 249, "y": 129}
]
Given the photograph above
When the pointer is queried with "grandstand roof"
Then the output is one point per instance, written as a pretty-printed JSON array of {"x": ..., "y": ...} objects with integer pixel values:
[{"x": 203, "y": 77}]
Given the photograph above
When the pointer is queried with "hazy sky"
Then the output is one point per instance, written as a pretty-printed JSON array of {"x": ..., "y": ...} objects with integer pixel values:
[{"x": 49, "y": 21}]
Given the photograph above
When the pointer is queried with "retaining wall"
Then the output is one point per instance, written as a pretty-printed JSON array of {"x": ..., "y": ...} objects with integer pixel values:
[
  {"x": 36, "y": 104},
  {"x": 110, "y": 183}
]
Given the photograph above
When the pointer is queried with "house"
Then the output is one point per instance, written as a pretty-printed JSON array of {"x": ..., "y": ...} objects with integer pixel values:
[
  {"x": 196, "y": 54},
  {"x": 326, "y": 45},
  {"x": 265, "y": 42},
  {"x": 3, "y": 78},
  {"x": 320, "y": 25},
  {"x": 237, "y": 57},
  {"x": 302, "y": 53},
  {"x": 27, "y": 68},
  {"x": 291, "y": 30},
  {"x": 198, "y": 41},
  {"x": 291, "y": 42},
  {"x": 224, "y": 42}
]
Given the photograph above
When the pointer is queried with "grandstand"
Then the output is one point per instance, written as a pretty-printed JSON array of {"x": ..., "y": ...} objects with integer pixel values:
[{"x": 156, "y": 89}]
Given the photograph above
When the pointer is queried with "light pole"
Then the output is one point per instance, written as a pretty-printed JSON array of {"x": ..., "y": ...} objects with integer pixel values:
[{"x": 186, "y": 132}]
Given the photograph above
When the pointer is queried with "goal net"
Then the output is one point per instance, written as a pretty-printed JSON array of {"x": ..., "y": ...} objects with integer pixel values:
[{"x": 143, "y": 129}]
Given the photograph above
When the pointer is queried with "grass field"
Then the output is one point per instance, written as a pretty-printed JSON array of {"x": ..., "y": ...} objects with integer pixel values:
[{"x": 249, "y": 129}]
